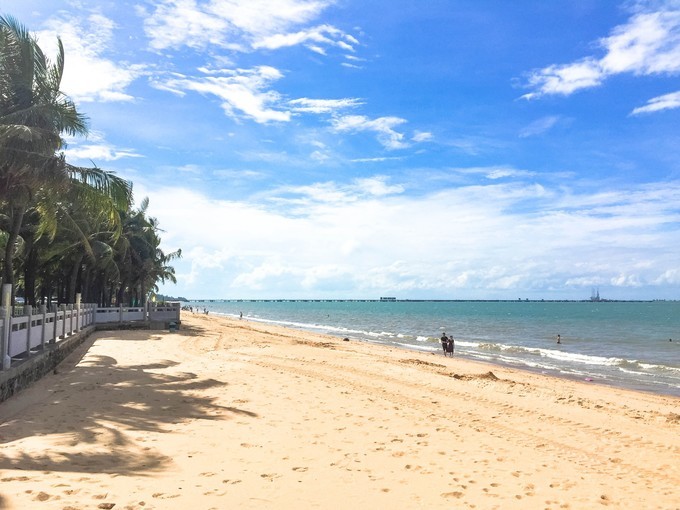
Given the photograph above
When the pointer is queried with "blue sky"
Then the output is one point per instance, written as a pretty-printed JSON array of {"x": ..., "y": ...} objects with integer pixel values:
[{"x": 354, "y": 149}]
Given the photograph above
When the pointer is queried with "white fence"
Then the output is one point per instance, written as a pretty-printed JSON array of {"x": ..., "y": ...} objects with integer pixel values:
[{"x": 22, "y": 336}]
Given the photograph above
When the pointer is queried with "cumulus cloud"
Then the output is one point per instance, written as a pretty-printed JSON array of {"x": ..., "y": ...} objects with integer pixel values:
[
  {"x": 649, "y": 43},
  {"x": 656, "y": 104},
  {"x": 88, "y": 74},
  {"x": 319, "y": 239}
]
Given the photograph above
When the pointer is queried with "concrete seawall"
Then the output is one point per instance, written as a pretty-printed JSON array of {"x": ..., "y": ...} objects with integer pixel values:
[{"x": 25, "y": 372}]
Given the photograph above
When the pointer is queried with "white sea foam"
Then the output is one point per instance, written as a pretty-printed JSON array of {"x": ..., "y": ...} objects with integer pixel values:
[{"x": 622, "y": 342}]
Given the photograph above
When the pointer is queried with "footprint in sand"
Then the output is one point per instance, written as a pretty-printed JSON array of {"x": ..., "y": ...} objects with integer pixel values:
[
  {"x": 15, "y": 479},
  {"x": 455, "y": 494},
  {"x": 42, "y": 496},
  {"x": 160, "y": 495}
]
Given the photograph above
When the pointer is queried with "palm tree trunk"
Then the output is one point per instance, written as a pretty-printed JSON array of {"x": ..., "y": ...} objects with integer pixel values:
[
  {"x": 30, "y": 271},
  {"x": 17, "y": 218},
  {"x": 73, "y": 279}
]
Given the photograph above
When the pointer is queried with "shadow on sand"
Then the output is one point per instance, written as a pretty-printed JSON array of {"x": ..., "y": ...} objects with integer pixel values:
[{"x": 128, "y": 400}]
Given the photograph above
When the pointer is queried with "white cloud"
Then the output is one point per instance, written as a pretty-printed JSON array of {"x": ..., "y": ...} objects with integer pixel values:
[
  {"x": 242, "y": 25},
  {"x": 656, "y": 104},
  {"x": 421, "y": 136},
  {"x": 99, "y": 152},
  {"x": 246, "y": 92},
  {"x": 313, "y": 38},
  {"x": 177, "y": 23},
  {"x": 239, "y": 175},
  {"x": 306, "y": 105},
  {"x": 189, "y": 169},
  {"x": 371, "y": 235},
  {"x": 89, "y": 75},
  {"x": 670, "y": 277},
  {"x": 495, "y": 172},
  {"x": 377, "y": 186},
  {"x": 383, "y": 126},
  {"x": 648, "y": 44},
  {"x": 320, "y": 156},
  {"x": 539, "y": 126},
  {"x": 242, "y": 92},
  {"x": 565, "y": 79},
  {"x": 95, "y": 148},
  {"x": 375, "y": 160}
]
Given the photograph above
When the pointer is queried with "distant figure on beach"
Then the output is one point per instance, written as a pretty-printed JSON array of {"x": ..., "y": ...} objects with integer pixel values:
[
  {"x": 449, "y": 346},
  {"x": 445, "y": 342},
  {"x": 559, "y": 340},
  {"x": 240, "y": 315}
]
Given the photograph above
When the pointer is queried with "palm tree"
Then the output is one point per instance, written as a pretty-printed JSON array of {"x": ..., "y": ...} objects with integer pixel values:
[
  {"x": 139, "y": 257},
  {"x": 34, "y": 113},
  {"x": 79, "y": 228}
]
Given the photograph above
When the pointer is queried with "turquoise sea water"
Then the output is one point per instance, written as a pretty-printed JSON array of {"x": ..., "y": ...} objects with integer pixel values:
[{"x": 623, "y": 344}]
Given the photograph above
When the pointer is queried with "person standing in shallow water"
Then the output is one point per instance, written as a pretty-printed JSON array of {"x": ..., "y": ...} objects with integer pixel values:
[
  {"x": 559, "y": 340},
  {"x": 445, "y": 342},
  {"x": 449, "y": 346}
]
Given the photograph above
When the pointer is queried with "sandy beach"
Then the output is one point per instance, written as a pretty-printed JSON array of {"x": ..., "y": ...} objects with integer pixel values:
[{"x": 236, "y": 414}]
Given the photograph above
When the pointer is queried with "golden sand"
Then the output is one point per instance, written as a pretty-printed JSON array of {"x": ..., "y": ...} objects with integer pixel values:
[{"x": 230, "y": 414}]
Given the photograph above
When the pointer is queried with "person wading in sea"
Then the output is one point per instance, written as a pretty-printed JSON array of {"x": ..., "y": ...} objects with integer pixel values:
[
  {"x": 445, "y": 342},
  {"x": 449, "y": 346}
]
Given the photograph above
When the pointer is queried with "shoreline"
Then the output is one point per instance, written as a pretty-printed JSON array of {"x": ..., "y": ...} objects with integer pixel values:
[
  {"x": 594, "y": 380},
  {"x": 229, "y": 413}
]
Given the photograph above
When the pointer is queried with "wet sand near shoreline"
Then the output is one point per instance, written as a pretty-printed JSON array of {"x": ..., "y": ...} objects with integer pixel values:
[{"x": 230, "y": 413}]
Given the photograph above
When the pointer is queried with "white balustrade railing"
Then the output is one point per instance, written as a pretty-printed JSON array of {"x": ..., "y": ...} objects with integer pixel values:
[{"x": 28, "y": 334}]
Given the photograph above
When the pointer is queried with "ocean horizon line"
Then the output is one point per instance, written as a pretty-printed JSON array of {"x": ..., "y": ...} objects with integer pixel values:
[{"x": 395, "y": 300}]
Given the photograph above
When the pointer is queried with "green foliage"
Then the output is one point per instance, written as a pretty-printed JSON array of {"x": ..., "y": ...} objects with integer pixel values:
[{"x": 63, "y": 228}]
